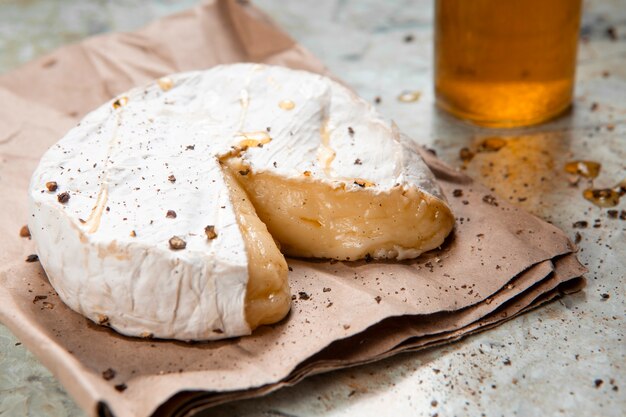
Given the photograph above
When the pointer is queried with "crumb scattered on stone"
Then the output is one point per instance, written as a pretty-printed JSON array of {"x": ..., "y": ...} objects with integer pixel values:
[
  {"x": 466, "y": 154},
  {"x": 577, "y": 238},
  {"x": 39, "y": 297},
  {"x": 491, "y": 200}
]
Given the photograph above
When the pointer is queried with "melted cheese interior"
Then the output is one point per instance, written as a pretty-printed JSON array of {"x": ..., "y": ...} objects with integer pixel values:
[
  {"x": 267, "y": 293},
  {"x": 312, "y": 219}
]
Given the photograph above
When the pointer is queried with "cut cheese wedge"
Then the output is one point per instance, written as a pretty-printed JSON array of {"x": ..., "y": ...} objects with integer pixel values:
[
  {"x": 170, "y": 202},
  {"x": 267, "y": 292},
  {"x": 313, "y": 219}
]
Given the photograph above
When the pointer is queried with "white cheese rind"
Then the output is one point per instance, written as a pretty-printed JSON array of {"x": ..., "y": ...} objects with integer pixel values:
[
  {"x": 106, "y": 250},
  {"x": 326, "y": 132}
]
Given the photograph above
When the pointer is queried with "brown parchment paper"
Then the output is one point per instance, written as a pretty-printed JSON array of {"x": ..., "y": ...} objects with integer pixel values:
[{"x": 498, "y": 263}]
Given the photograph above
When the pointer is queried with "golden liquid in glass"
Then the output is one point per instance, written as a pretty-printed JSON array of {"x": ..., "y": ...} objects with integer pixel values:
[{"x": 505, "y": 63}]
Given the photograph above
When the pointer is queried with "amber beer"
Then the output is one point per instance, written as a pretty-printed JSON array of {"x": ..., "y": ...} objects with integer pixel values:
[{"x": 505, "y": 63}]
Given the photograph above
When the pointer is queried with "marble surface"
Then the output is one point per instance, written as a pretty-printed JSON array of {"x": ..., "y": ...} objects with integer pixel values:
[{"x": 567, "y": 358}]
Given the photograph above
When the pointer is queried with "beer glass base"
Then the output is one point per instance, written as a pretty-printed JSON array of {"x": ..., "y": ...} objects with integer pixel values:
[{"x": 485, "y": 121}]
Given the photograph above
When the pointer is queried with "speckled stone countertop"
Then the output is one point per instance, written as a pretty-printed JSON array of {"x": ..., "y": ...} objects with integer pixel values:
[{"x": 567, "y": 358}]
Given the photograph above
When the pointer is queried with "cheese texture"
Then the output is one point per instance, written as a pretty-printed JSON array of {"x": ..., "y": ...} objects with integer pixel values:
[{"x": 170, "y": 199}]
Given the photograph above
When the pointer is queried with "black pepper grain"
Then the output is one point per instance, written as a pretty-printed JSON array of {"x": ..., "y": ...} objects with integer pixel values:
[
  {"x": 64, "y": 197},
  {"x": 612, "y": 33},
  {"x": 32, "y": 258},
  {"x": 52, "y": 186},
  {"x": 108, "y": 374}
]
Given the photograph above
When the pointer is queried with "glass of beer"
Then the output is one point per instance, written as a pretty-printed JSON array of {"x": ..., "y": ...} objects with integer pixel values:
[{"x": 505, "y": 63}]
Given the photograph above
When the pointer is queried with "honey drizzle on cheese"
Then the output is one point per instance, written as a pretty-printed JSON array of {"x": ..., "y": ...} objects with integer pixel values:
[
  {"x": 93, "y": 221},
  {"x": 244, "y": 97},
  {"x": 325, "y": 154},
  {"x": 165, "y": 83},
  {"x": 253, "y": 139},
  {"x": 287, "y": 105},
  {"x": 244, "y": 100}
]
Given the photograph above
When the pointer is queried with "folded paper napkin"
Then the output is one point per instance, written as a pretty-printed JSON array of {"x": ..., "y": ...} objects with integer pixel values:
[{"x": 498, "y": 263}]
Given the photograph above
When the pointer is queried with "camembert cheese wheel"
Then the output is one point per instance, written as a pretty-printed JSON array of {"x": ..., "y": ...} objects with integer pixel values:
[{"x": 162, "y": 213}]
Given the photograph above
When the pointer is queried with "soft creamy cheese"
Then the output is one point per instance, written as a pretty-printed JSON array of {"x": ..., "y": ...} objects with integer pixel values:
[
  {"x": 313, "y": 219},
  {"x": 267, "y": 293},
  {"x": 158, "y": 238}
]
